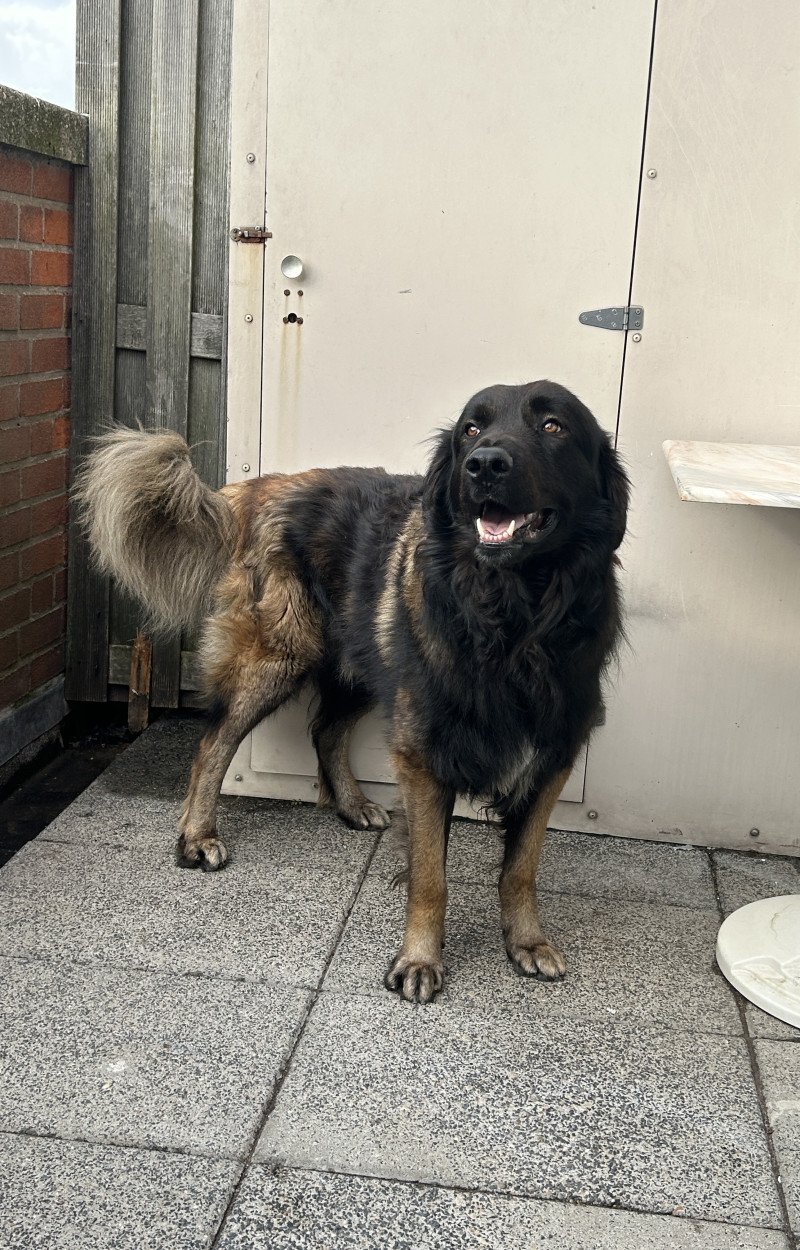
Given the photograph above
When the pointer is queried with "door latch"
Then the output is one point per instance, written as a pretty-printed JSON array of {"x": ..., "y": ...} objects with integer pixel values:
[
  {"x": 250, "y": 234},
  {"x": 625, "y": 317}
]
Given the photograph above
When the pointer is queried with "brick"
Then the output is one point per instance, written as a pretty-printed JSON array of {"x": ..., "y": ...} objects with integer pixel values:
[
  {"x": 61, "y": 433},
  {"x": 9, "y": 571},
  {"x": 16, "y": 527},
  {"x": 15, "y": 686},
  {"x": 42, "y": 437},
  {"x": 48, "y": 515},
  {"x": 9, "y": 488},
  {"x": 9, "y": 220},
  {"x": 9, "y": 650},
  {"x": 42, "y": 594},
  {"x": 9, "y": 311},
  {"x": 42, "y": 312},
  {"x": 15, "y": 609},
  {"x": 37, "y": 634},
  {"x": 44, "y": 478},
  {"x": 36, "y": 398},
  {"x": 15, "y": 266},
  {"x": 47, "y": 355},
  {"x": 9, "y": 401},
  {"x": 15, "y": 356},
  {"x": 15, "y": 443},
  {"x": 59, "y": 585},
  {"x": 57, "y": 226},
  {"x": 31, "y": 223},
  {"x": 50, "y": 269},
  {"x": 46, "y": 666},
  {"x": 42, "y": 556},
  {"x": 52, "y": 182},
  {"x": 15, "y": 174}
]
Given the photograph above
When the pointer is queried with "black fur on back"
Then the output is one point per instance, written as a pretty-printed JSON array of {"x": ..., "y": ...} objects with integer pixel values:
[{"x": 498, "y": 653}]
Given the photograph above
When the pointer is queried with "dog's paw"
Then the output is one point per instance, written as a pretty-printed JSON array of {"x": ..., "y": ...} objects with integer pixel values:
[
  {"x": 365, "y": 815},
  {"x": 413, "y": 980},
  {"x": 543, "y": 960},
  {"x": 208, "y": 852}
]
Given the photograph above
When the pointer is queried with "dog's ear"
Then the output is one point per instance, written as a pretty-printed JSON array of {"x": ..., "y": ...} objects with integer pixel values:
[
  {"x": 436, "y": 486},
  {"x": 615, "y": 488}
]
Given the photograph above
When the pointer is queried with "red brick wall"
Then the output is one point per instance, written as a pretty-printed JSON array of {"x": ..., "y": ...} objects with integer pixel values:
[{"x": 35, "y": 297}]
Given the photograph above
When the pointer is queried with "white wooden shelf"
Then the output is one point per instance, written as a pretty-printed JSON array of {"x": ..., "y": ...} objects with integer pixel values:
[{"x": 752, "y": 473}]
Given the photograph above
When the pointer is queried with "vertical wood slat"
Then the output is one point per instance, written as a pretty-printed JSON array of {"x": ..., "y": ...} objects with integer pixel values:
[
  {"x": 169, "y": 289},
  {"x": 96, "y": 190}
]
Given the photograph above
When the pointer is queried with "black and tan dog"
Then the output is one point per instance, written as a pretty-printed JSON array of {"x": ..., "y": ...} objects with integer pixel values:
[{"x": 477, "y": 606}]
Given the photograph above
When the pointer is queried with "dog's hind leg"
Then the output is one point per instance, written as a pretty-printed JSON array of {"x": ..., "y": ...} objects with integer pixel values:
[
  {"x": 339, "y": 711},
  {"x": 528, "y": 948}
]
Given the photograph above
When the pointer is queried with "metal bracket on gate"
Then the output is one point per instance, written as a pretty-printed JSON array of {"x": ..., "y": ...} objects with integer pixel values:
[
  {"x": 250, "y": 234},
  {"x": 626, "y": 317}
]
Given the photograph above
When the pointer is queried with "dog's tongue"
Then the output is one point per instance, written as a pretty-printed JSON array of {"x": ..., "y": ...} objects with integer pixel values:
[{"x": 496, "y": 521}]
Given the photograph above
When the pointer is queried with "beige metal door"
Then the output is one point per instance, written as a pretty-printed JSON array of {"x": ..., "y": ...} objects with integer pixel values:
[
  {"x": 460, "y": 181},
  {"x": 703, "y": 738}
]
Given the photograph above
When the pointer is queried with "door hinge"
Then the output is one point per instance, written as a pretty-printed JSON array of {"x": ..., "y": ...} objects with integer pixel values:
[
  {"x": 250, "y": 234},
  {"x": 625, "y": 317}
]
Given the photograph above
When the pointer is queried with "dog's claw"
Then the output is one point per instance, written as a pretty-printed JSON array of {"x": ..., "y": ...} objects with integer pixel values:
[
  {"x": 414, "y": 980},
  {"x": 365, "y": 815}
]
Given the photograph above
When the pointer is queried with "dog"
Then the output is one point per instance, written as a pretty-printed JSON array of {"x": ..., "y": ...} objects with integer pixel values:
[{"x": 477, "y": 606}]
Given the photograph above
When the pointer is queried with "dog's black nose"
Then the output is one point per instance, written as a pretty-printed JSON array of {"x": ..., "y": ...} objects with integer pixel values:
[{"x": 488, "y": 465}]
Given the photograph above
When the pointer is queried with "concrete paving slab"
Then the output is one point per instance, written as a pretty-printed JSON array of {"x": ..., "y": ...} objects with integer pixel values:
[
  {"x": 318, "y": 1211},
  {"x": 575, "y": 1112},
  {"x": 577, "y": 863},
  {"x": 779, "y": 1065},
  {"x": 628, "y": 963},
  {"x": 138, "y": 1058},
  {"x": 57, "y": 1195},
  {"x": 264, "y": 917},
  {"x": 744, "y": 878}
]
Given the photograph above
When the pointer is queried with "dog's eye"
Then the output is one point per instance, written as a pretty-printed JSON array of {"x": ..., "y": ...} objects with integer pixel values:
[
  {"x": 471, "y": 430},
  {"x": 551, "y": 427}
]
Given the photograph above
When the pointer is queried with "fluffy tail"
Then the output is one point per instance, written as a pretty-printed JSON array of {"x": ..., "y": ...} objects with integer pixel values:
[{"x": 164, "y": 534}]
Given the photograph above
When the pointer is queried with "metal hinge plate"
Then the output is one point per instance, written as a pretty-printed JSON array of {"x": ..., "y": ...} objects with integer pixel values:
[
  {"x": 623, "y": 317},
  {"x": 250, "y": 234}
]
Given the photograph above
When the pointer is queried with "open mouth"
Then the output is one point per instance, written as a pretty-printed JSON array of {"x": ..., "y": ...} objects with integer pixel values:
[{"x": 497, "y": 526}]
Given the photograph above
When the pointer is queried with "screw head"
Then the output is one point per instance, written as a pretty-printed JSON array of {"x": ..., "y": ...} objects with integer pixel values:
[
  {"x": 299, "y": 321},
  {"x": 248, "y": 317},
  {"x": 755, "y": 833},
  {"x": 637, "y": 338},
  {"x": 238, "y": 777},
  {"x": 592, "y": 814},
  {"x": 652, "y": 173},
  {"x": 251, "y": 156},
  {"x": 287, "y": 291},
  {"x": 245, "y": 468}
]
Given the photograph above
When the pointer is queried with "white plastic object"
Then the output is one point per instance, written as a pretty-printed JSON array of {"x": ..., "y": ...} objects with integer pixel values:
[{"x": 758, "y": 950}]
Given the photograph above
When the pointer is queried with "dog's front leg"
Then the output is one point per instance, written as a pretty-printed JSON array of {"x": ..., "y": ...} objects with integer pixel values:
[
  {"x": 417, "y": 972},
  {"x": 528, "y": 948}
]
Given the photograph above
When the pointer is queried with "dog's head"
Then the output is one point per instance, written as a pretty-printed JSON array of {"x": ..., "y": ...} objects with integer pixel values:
[{"x": 527, "y": 469}]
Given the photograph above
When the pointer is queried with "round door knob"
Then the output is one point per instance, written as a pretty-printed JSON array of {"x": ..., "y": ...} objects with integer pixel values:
[{"x": 292, "y": 267}]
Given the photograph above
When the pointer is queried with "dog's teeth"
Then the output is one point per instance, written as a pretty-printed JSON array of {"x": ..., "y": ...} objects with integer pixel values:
[
  {"x": 512, "y": 525},
  {"x": 481, "y": 530}
]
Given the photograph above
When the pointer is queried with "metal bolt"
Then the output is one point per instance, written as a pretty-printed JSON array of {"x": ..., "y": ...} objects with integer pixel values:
[
  {"x": 755, "y": 833},
  {"x": 238, "y": 777},
  {"x": 286, "y": 321},
  {"x": 245, "y": 468},
  {"x": 299, "y": 292},
  {"x": 248, "y": 317},
  {"x": 652, "y": 173},
  {"x": 637, "y": 338},
  {"x": 251, "y": 156},
  {"x": 299, "y": 321},
  {"x": 592, "y": 814},
  {"x": 287, "y": 291}
]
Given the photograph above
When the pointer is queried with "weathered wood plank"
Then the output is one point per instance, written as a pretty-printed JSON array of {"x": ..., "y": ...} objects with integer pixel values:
[
  {"x": 169, "y": 290},
  {"x": 205, "y": 338},
  {"x": 119, "y": 667},
  {"x": 139, "y": 684},
  {"x": 93, "y": 346},
  {"x": 134, "y": 145}
]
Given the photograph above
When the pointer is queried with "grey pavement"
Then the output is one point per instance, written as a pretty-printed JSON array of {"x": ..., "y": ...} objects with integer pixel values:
[{"x": 210, "y": 1061}]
